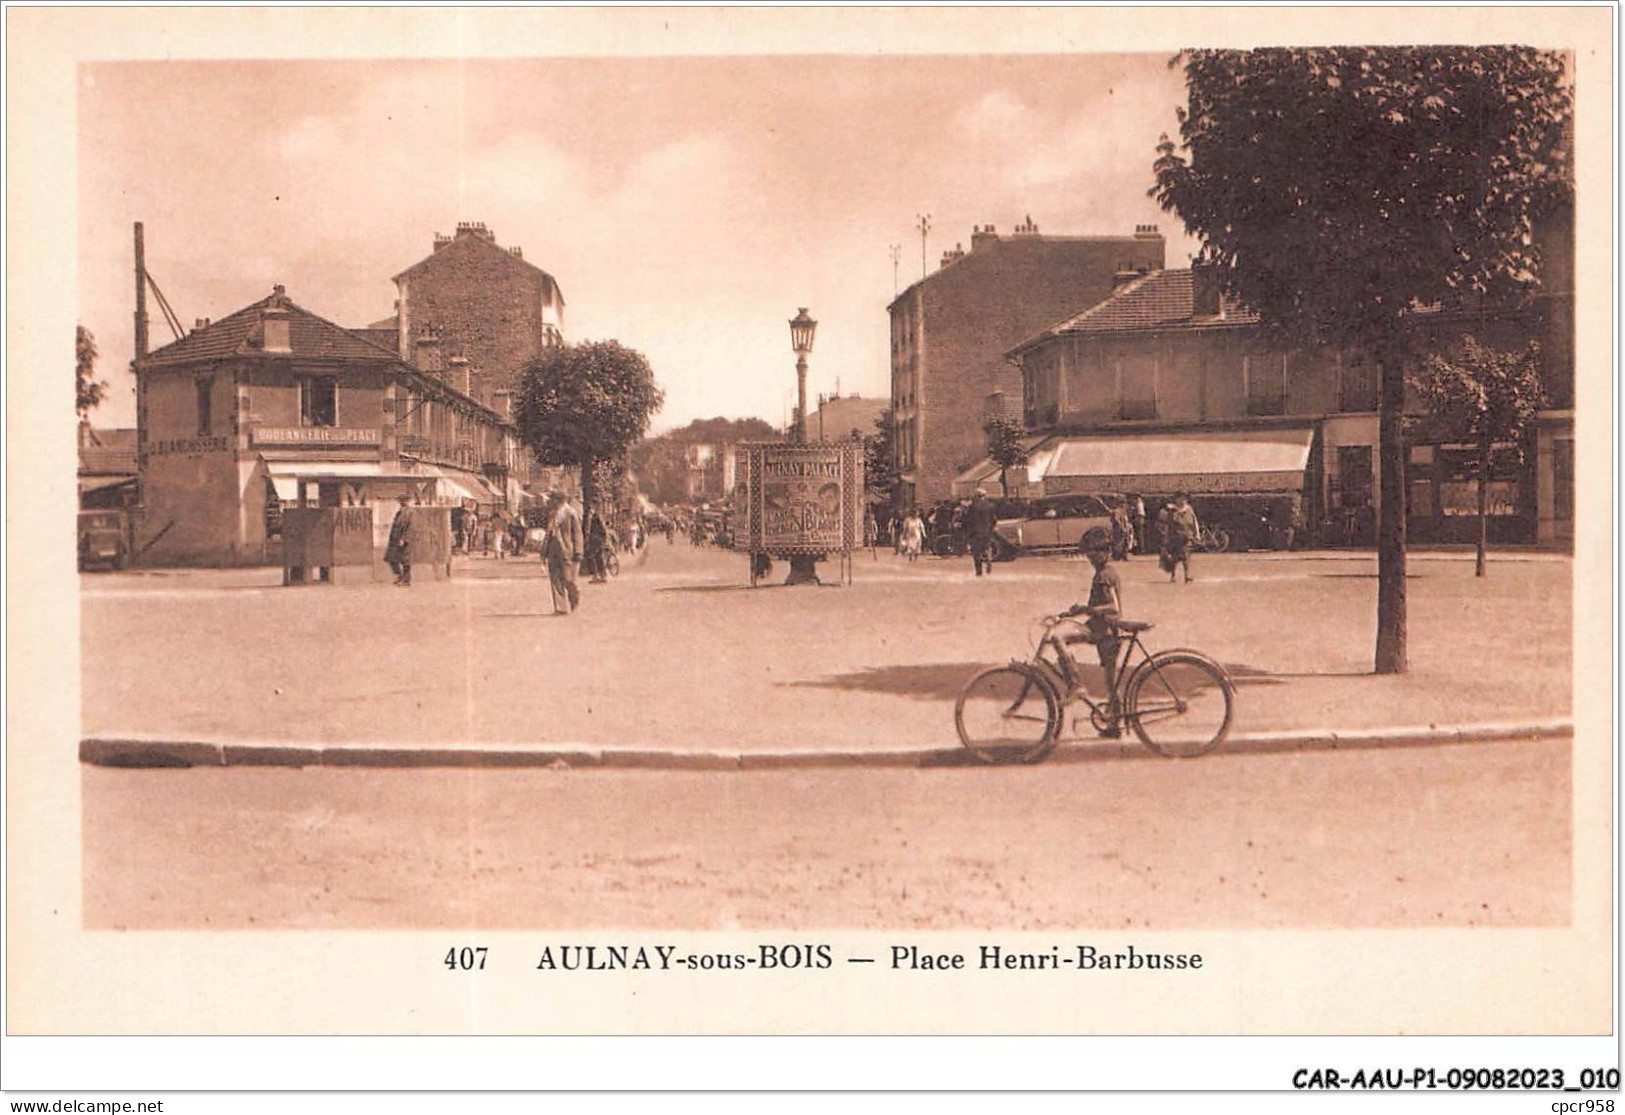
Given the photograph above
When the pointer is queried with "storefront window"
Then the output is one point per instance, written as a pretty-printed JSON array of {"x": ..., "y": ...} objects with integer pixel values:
[{"x": 1460, "y": 497}]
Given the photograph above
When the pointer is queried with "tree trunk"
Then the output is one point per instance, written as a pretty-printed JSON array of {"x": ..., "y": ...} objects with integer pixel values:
[
  {"x": 1391, "y": 656},
  {"x": 1483, "y": 506},
  {"x": 589, "y": 490},
  {"x": 1004, "y": 482}
]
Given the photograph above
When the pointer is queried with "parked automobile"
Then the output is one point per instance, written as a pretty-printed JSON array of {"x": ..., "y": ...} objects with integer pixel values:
[
  {"x": 1050, "y": 523},
  {"x": 102, "y": 540}
]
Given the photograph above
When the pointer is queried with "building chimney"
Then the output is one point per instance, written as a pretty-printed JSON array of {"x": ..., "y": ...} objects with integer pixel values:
[
  {"x": 1027, "y": 228},
  {"x": 461, "y": 375},
  {"x": 274, "y": 323},
  {"x": 516, "y": 252},
  {"x": 954, "y": 255},
  {"x": 1205, "y": 290},
  {"x": 426, "y": 354},
  {"x": 981, "y": 236},
  {"x": 1146, "y": 232},
  {"x": 200, "y": 324}
]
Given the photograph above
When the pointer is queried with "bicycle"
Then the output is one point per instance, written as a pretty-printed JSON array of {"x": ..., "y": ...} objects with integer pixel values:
[
  {"x": 1212, "y": 540},
  {"x": 1178, "y": 702}
]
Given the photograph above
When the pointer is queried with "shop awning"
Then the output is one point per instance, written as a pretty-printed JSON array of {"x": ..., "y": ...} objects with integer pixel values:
[
  {"x": 285, "y": 475},
  {"x": 1217, "y": 461},
  {"x": 89, "y": 484},
  {"x": 985, "y": 474},
  {"x": 452, "y": 486}
]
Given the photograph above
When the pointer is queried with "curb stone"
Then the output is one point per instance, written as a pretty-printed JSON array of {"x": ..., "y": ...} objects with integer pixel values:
[{"x": 152, "y": 753}]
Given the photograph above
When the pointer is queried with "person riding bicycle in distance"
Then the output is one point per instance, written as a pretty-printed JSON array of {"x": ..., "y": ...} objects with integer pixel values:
[{"x": 1104, "y": 607}]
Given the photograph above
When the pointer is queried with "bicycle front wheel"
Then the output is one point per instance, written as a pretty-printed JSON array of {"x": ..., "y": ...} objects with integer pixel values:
[
  {"x": 1180, "y": 704},
  {"x": 612, "y": 563},
  {"x": 1007, "y": 715}
]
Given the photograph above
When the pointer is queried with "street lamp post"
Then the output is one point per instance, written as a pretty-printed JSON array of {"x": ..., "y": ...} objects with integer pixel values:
[
  {"x": 803, "y": 567},
  {"x": 802, "y": 328}
]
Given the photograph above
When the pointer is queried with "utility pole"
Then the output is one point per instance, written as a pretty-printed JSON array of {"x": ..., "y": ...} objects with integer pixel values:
[
  {"x": 140, "y": 293},
  {"x": 896, "y": 255},
  {"x": 925, "y": 228}
]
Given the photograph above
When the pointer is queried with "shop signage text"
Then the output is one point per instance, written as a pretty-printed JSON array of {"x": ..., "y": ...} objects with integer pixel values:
[
  {"x": 316, "y": 435},
  {"x": 1177, "y": 482},
  {"x": 166, "y": 446}
]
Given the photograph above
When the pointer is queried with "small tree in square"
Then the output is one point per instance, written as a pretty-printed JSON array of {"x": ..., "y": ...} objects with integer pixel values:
[
  {"x": 1482, "y": 396},
  {"x": 586, "y": 405},
  {"x": 1004, "y": 447},
  {"x": 880, "y": 475}
]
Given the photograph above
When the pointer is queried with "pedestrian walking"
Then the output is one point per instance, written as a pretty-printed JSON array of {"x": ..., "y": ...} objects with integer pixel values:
[
  {"x": 1181, "y": 533},
  {"x": 592, "y": 560},
  {"x": 980, "y": 518},
  {"x": 913, "y": 534},
  {"x": 1136, "y": 519},
  {"x": 1122, "y": 530},
  {"x": 562, "y": 552},
  {"x": 398, "y": 551}
]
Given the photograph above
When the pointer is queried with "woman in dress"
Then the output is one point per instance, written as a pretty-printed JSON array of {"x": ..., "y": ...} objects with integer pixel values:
[{"x": 913, "y": 534}]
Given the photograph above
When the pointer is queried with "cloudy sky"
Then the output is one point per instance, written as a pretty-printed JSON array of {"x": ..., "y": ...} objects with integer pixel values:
[{"x": 687, "y": 206}]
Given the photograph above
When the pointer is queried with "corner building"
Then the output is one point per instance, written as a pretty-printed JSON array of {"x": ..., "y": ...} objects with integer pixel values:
[
  {"x": 273, "y": 406},
  {"x": 950, "y": 332},
  {"x": 1171, "y": 385}
]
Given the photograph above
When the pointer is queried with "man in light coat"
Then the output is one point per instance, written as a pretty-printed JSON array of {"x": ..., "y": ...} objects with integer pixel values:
[{"x": 562, "y": 552}]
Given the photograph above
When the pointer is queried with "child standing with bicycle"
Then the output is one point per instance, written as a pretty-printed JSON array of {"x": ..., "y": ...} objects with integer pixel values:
[{"x": 1104, "y": 607}]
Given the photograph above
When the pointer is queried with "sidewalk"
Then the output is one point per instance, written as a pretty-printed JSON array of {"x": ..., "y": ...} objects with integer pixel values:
[{"x": 678, "y": 664}]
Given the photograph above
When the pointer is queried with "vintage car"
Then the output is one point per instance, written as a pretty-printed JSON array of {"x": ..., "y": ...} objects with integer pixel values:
[
  {"x": 1051, "y": 523},
  {"x": 102, "y": 542}
]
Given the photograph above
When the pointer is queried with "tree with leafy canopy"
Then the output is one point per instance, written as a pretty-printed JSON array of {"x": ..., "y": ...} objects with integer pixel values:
[
  {"x": 586, "y": 405},
  {"x": 1004, "y": 447},
  {"x": 880, "y": 474},
  {"x": 1338, "y": 191},
  {"x": 1482, "y": 396},
  {"x": 88, "y": 390}
]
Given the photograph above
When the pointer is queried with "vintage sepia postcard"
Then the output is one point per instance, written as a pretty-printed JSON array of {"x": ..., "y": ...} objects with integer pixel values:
[{"x": 825, "y": 522}]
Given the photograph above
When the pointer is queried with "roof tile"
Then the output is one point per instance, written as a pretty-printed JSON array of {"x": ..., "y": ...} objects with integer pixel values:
[
  {"x": 1157, "y": 300},
  {"x": 241, "y": 334}
]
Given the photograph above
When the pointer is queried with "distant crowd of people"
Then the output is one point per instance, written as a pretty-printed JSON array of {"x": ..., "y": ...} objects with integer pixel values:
[{"x": 968, "y": 526}]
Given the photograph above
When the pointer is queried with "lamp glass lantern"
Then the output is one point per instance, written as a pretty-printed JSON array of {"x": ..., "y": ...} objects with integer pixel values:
[{"x": 801, "y": 332}]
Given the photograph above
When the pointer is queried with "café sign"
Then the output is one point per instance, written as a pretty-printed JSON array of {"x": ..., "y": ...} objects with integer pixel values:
[{"x": 1162, "y": 483}]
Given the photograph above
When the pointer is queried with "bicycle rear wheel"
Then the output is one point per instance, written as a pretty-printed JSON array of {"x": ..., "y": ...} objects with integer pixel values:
[
  {"x": 1180, "y": 704},
  {"x": 1007, "y": 715}
]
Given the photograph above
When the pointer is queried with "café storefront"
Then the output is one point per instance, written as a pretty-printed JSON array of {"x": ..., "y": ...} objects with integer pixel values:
[{"x": 1260, "y": 485}]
